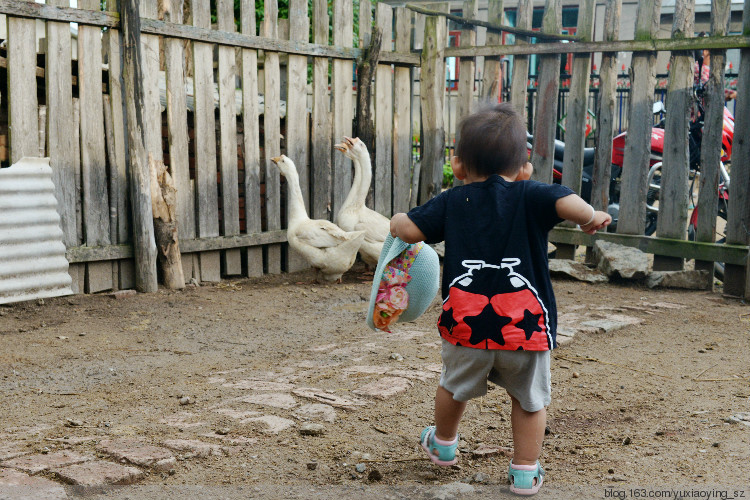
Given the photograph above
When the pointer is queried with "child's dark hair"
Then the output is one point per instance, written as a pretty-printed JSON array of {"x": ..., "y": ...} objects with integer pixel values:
[{"x": 492, "y": 140}]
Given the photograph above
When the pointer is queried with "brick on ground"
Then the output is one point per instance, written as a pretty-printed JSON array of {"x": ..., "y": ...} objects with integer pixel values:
[
  {"x": 137, "y": 453},
  {"x": 98, "y": 473},
  {"x": 16, "y": 484},
  {"x": 34, "y": 464},
  {"x": 384, "y": 388}
]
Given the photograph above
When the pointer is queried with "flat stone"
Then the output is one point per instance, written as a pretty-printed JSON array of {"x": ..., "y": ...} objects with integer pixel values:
[
  {"x": 612, "y": 323},
  {"x": 236, "y": 440},
  {"x": 740, "y": 418},
  {"x": 273, "y": 399},
  {"x": 367, "y": 369},
  {"x": 311, "y": 429},
  {"x": 484, "y": 450},
  {"x": 137, "y": 453},
  {"x": 450, "y": 491},
  {"x": 272, "y": 424},
  {"x": 665, "y": 305},
  {"x": 237, "y": 414},
  {"x": 183, "y": 419},
  {"x": 123, "y": 294},
  {"x": 692, "y": 279},
  {"x": 316, "y": 411},
  {"x": 99, "y": 473},
  {"x": 618, "y": 260},
  {"x": 384, "y": 388},
  {"x": 34, "y": 464},
  {"x": 413, "y": 374},
  {"x": 195, "y": 448},
  {"x": 15, "y": 484},
  {"x": 11, "y": 450},
  {"x": 328, "y": 398},
  {"x": 576, "y": 270},
  {"x": 259, "y": 385}
]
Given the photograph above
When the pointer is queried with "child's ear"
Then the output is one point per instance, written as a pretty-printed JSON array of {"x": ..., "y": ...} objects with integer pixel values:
[
  {"x": 525, "y": 173},
  {"x": 459, "y": 172}
]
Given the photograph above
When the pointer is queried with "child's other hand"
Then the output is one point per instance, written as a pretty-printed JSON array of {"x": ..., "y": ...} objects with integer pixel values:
[{"x": 600, "y": 221}]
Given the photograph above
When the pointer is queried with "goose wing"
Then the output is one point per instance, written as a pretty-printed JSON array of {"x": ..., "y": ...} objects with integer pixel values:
[{"x": 322, "y": 234}]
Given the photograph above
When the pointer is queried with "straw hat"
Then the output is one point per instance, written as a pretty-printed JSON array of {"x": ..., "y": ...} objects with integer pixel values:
[{"x": 423, "y": 278}]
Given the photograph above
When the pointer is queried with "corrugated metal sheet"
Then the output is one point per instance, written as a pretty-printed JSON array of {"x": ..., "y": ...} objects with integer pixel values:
[{"x": 32, "y": 253}]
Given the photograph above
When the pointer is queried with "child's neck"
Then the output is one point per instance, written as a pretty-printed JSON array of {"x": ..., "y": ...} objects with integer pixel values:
[{"x": 481, "y": 178}]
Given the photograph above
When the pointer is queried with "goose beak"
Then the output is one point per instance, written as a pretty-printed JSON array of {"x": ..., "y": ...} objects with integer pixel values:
[
  {"x": 349, "y": 141},
  {"x": 276, "y": 159},
  {"x": 341, "y": 147}
]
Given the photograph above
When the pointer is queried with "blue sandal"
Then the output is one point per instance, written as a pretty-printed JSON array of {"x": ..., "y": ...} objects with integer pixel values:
[
  {"x": 441, "y": 454},
  {"x": 525, "y": 479}
]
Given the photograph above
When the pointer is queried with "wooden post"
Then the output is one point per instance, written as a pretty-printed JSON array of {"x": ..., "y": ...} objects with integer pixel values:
[
  {"x": 739, "y": 209},
  {"x": 164, "y": 208},
  {"x": 342, "y": 106},
  {"x": 518, "y": 87},
  {"x": 251, "y": 140},
  {"x": 575, "y": 129},
  {"x": 402, "y": 116},
  {"x": 605, "y": 113},
  {"x": 297, "y": 130},
  {"x": 321, "y": 120},
  {"x": 417, "y": 122},
  {"x": 365, "y": 23},
  {"x": 60, "y": 148},
  {"x": 364, "y": 124},
  {"x": 383, "y": 174},
  {"x": 673, "y": 196},
  {"x": 708, "y": 197},
  {"x": 179, "y": 160},
  {"x": 545, "y": 117},
  {"x": 144, "y": 247},
  {"x": 467, "y": 69},
  {"x": 432, "y": 96},
  {"x": 272, "y": 133},
  {"x": 22, "y": 101},
  {"x": 492, "y": 70},
  {"x": 93, "y": 150},
  {"x": 231, "y": 259},
  {"x": 635, "y": 167},
  {"x": 206, "y": 196}
]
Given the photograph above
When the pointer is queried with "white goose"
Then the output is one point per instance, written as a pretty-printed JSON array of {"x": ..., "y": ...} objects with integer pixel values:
[
  {"x": 354, "y": 215},
  {"x": 328, "y": 248}
]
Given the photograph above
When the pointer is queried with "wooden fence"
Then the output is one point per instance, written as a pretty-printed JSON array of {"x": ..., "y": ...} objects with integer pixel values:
[{"x": 230, "y": 198}]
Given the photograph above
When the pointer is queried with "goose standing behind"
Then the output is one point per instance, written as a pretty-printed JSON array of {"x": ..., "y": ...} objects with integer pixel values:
[
  {"x": 328, "y": 248},
  {"x": 354, "y": 215}
]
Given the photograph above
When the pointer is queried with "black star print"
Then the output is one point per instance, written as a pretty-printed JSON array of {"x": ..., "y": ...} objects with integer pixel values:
[
  {"x": 447, "y": 321},
  {"x": 487, "y": 325},
  {"x": 529, "y": 324}
]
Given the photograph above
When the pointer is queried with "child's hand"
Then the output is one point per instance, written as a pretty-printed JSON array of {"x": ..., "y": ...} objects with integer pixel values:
[
  {"x": 402, "y": 227},
  {"x": 600, "y": 221}
]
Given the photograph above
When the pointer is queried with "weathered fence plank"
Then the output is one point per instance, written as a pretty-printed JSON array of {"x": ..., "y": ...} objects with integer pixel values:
[
  {"x": 466, "y": 72},
  {"x": 491, "y": 76},
  {"x": 342, "y": 105},
  {"x": 22, "y": 100},
  {"x": 321, "y": 120},
  {"x": 139, "y": 175},
  {"x": 207, "y": 196},
  {"x": 59, "y": 89},
  {"x": 432, "y": 96},
  {"x": 384, "y": 117},
  {"x": 231, "y": 259},
  {"x": 545, "y": 118},
  {"x": 402, "y": 116},
  {"x": 632, "y": 219},
  {"x": 251, "y": 140},
  {"x": 708, "y": 196},
  {"x": 518, "y": 87},
  {"x": 93, "y": 152},
  {"x": 416, "y": 77},
  {"x": 673, "y": 196},
  {"x": 605, "y": 113},
  {"x": 272, "y": 134},
  {"x": 739, "y": 208}
]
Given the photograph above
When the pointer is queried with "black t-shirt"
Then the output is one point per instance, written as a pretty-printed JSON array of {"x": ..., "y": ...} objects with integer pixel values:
[{"x": 496, "y": 288}]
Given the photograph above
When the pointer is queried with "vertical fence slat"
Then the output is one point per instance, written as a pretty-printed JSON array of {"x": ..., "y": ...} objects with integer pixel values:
[
  {"x": 93, "y": 152},
  {"x": 545, "y": 117},
  {"x": 466, "y": 72},
  {"x": 518, "y": 87},
  {"x": 272, "y": 133},
  {"x": 59, "y": 87},
  {"x": 365, "y": 23},
  {"x": 432, "y": 96},
  {"x": 179, "y": 153},
  {"x": 22, "y": 100},
  {"x": 673, "y": 197},
  {"x": 251, "y": 140},
  {"x": 321, "y": 120},
  {"x": 708, "y": 197},
  {"x": 296, "y": 113},
  {"x": 738, "y": 222},
  {"x": 231, "y": 259},
  {"x": 384, "y": 116},
  {"x": 207, "y": 196},
  {"x": 417, "y": 125},
  {"x": 605, "y": 113},
  {"x": 632, "y": 218},
  {"x": 492, "y": 67},
  {"x": 342, "y": 108},
  {"x": 402, "y": 116}
]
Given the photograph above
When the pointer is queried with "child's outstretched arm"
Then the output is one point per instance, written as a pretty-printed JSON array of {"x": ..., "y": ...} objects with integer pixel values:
[
  {"x": 574, "y": 209},
  {"x": 402, "y": 227}
]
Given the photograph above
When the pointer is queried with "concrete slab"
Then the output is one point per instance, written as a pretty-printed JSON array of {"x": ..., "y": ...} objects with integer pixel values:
[{"x": 99, "y": 473}]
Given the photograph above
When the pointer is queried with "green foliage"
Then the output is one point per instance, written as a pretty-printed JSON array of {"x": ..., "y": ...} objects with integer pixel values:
[{"x": 447, "y": 175}]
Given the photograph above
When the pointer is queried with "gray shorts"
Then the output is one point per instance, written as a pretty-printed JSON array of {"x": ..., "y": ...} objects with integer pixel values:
[{"x": 524, "y": 374}]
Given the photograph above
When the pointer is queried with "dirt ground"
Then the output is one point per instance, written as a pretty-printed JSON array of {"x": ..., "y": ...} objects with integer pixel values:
[{"x": 641, "y": 406}]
